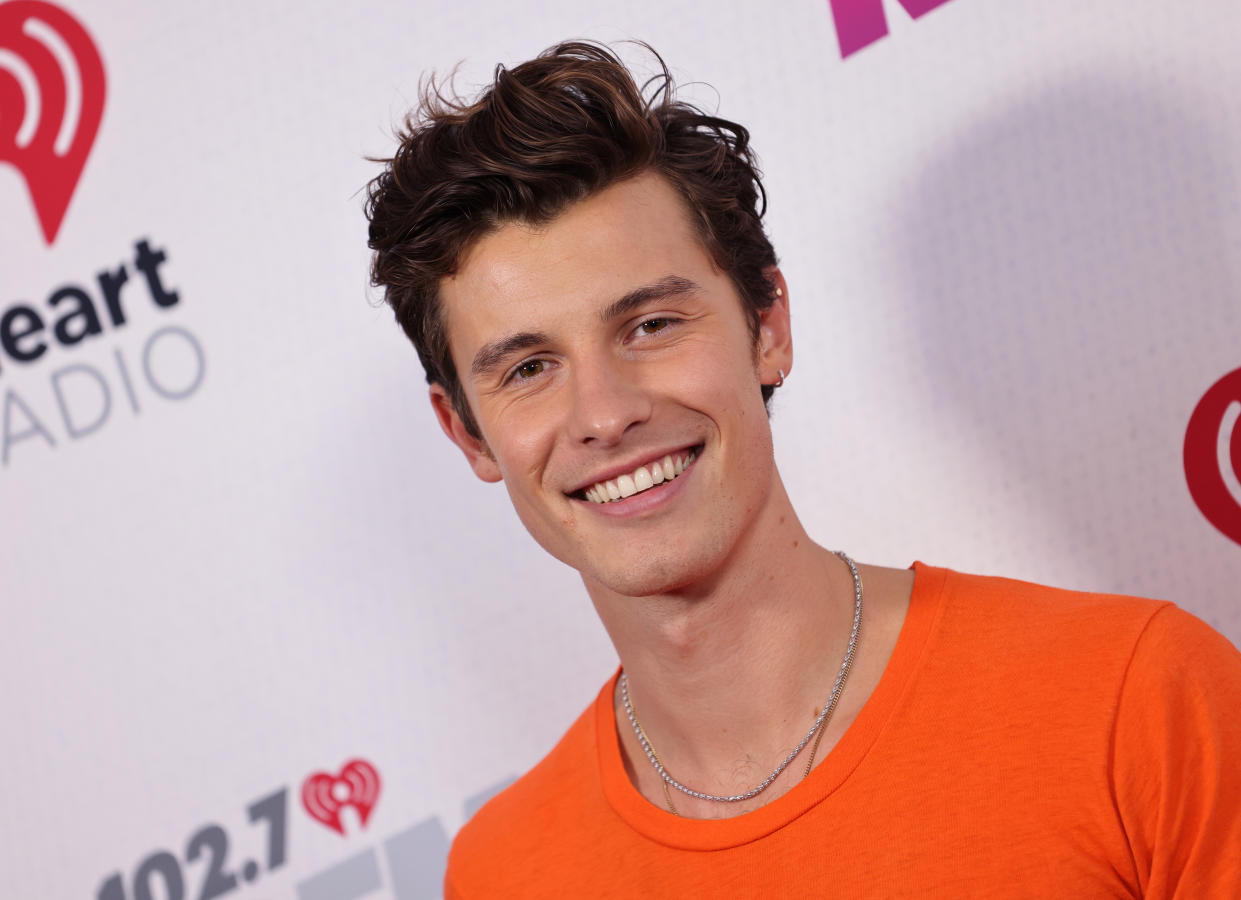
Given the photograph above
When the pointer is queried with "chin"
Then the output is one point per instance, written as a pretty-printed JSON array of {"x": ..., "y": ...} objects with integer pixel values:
[{"x": 658, "y": 574}]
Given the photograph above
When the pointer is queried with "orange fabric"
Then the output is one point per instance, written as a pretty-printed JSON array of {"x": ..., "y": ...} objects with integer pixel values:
[{"x": 1023, "y": 742}]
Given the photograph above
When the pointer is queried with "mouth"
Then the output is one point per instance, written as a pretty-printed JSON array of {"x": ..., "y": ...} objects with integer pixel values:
[{"x": 645, "y": 477}]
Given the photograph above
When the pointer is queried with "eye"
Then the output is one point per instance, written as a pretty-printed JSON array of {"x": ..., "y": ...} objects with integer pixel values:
[
  {"x": 531, "y": 368},
  {"x": 652, "y": 326}
]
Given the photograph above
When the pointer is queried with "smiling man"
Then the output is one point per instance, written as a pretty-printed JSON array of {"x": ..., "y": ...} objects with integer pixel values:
[{"x": 601, "y": 317}]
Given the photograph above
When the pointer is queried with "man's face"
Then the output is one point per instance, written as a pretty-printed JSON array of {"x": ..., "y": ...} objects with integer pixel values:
[{"x": 602, "y": 344}]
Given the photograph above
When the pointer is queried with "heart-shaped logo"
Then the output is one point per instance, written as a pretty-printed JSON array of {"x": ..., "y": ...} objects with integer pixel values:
[
  {"x": 1213, "y": 455},
  {"x": 356, "y": 785},
  {"x": 52, "y": 102}
]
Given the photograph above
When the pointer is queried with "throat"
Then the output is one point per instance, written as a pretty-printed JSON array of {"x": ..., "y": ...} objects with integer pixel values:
[{"x": 721, "y": 733}]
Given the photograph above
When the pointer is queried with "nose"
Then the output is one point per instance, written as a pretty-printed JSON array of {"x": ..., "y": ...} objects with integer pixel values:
[{"x": 608, "y": 400}]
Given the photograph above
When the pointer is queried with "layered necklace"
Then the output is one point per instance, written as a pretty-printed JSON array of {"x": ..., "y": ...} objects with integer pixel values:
[{"x": 815, "y": 732}]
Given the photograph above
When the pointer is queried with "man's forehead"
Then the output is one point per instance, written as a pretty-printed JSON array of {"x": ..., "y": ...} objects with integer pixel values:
[
  {"x": 594, "y": 252},
  {"x": 511, "y": 260}
]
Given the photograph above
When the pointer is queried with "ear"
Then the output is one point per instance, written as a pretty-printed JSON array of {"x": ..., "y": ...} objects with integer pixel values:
[
  {"x": 775, "y": 334},
  {"x": 476, "y": 451}
]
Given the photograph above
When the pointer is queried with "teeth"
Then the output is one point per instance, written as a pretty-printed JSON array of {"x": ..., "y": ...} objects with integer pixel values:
[
  {"x": 626, "y": 486},
  {"x": 641, "y": 479}
]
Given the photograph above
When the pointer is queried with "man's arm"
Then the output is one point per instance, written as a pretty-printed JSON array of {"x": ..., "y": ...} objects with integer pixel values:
[{"x": 1176, "y": 759}]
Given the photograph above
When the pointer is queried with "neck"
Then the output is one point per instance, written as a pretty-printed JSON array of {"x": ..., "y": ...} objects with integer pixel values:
[{"x": 727, "y": 674}]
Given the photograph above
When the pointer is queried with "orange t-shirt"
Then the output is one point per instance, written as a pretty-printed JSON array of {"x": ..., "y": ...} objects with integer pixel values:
[{"x": 1022, "y": 742}]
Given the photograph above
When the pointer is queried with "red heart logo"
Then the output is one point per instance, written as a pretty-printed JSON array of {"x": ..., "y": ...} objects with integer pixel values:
[
  {"x": 324, "y": 795},
  {"x": 1213, "y": 455},
  {"x": 52, "y": 98}
]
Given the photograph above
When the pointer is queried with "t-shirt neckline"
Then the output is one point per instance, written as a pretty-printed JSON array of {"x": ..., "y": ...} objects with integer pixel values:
[{"x": 718, "y": 834}]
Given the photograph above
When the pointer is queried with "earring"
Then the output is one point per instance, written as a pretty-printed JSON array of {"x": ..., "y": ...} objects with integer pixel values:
[
  {"x": 779, "y": 383},
  {"x": 779, "y": 292}
]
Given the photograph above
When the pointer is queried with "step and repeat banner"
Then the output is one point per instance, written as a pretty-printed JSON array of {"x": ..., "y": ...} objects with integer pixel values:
[{"x": 265, "y": 636}]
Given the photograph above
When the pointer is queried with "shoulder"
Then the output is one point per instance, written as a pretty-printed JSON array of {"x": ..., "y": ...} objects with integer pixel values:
[
  {"x": 1134, "y": 700},
  {"x": 1021, "y": 613},
  {"x": 1176, "y": 635},
  {"x": 1026, "y": 646},
  {"x": 1173, "y": 771},
  {"x": 1030, "y": 639},
  {"x": 535, "y": 813},
  {"x": 1182, "y": 667}
]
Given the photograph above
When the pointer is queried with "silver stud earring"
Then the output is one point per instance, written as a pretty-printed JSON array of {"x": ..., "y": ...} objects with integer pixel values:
[{"x": 780, "y": 383}]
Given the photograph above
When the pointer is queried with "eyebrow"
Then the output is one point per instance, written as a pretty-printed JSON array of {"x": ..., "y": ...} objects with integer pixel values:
[
  {"x": 491, "y": 355},
  {"x": 668, "y": 286}
]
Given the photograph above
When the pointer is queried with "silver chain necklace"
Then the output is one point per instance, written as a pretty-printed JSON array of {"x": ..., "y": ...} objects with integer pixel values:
[{"x": 818, "y": 723}]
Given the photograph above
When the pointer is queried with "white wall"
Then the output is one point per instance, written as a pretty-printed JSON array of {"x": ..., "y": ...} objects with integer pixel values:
[{"x": 1011, "y": 234}]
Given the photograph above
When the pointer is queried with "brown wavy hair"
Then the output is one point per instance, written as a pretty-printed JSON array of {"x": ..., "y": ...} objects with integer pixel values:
[{"x": 543, "y": 135}]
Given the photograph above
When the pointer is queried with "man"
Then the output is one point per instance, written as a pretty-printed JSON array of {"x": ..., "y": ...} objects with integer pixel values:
[{"x": 586, "y": 278}]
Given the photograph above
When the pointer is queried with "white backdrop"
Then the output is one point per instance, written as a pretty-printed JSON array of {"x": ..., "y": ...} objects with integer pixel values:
[{"x": 1011, "y": 234}]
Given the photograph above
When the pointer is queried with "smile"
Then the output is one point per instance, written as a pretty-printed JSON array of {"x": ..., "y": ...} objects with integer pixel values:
[{"x": 643, "y": 478}]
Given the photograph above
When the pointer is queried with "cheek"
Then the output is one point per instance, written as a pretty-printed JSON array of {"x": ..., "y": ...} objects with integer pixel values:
[
  {"x": 723, "y": 375},
  {"x": 526, "y": 446},
  {"x": 728, "y": 389}
]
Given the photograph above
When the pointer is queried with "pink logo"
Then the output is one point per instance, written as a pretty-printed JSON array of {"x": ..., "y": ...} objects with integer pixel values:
[
  {"x": 325, "y": 795},
  {"x": 859, "y": 23},
  {"x": 1213, "y": 455},
  {"x": 51, "y": 100}
]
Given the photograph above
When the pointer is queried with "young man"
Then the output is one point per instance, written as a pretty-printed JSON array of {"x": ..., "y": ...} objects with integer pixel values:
[{"x": 601, "y": 317}]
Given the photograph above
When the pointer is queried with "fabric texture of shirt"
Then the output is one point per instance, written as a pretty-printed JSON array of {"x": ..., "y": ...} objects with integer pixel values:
[{"x": 1023, "y": 741}]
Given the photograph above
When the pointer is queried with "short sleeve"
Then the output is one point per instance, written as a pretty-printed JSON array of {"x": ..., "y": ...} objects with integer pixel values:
[{"x": 1176, "y": 759}]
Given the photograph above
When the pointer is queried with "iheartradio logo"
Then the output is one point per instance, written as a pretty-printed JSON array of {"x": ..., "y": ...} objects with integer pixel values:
[
  {"x": 1213, "y": 455},
  {"x": 52, "y": 90},
  {"x": 356, "y": 785}
]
